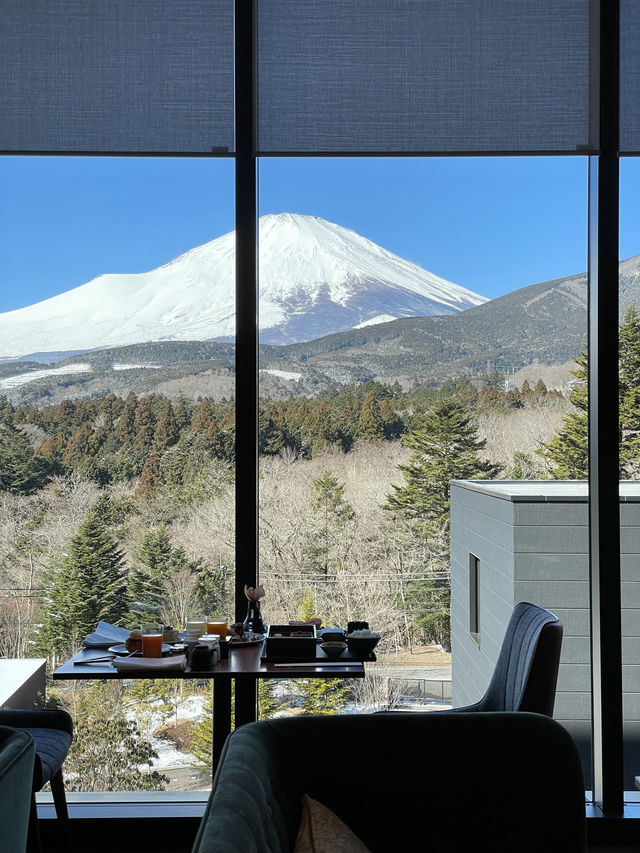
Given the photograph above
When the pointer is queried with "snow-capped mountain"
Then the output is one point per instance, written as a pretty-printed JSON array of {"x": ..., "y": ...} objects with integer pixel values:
[{"x": 316, "y": 278}]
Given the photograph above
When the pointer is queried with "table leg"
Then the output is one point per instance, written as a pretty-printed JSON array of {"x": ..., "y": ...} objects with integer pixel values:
[
  {"x": 246, "y": 701},
  {"x": 221, "y": 717}
]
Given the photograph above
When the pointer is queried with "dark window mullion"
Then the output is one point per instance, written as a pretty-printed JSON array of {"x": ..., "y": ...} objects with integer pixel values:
[
  {"x": 604, "y": 504},
  {"x": 246, "y": 499}
]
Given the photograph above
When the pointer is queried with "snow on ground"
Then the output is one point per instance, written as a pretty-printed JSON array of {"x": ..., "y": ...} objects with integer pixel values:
[
  {"x": 283, "y": 374},
  {"x": 23, "y": 378},
  {"x": 117, "y": 365}
]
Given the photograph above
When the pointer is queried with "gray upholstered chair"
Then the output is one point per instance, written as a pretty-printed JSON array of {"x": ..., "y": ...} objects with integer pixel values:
[
  {"x": 17, "y": 755},
  {"x": 501, "y": 781},
  {"x": 526, "y": 672},
  {"x": 52, "y": 733}
]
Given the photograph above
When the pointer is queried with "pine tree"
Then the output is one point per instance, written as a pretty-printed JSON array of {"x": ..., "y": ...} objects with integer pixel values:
[
  {"x": 21, "y": 471},
  {"x": 144, "y": 424},
  {"x": 125, "y": 429},
  {"x": 629, "y": 390},
  {"x": 151, "y": 474},
  {"x": 146, "y": 577},
  {"x": 87, "y": 585},
  {"x": 370, "y": 422},
  {"x": 445, "y": 448},
  {"x": 330, "y": 544},
  {"x": 203, "y": 417},
  {"x": 166, "y": 433},
  {"x": 567, "y": 452}
]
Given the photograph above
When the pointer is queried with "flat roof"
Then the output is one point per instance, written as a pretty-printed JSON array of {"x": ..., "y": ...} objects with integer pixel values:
[{"x": 552, "y": 491}]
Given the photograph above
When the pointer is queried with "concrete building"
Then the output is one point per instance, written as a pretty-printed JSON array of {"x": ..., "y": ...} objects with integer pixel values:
[{"x": 517, "y": 541}]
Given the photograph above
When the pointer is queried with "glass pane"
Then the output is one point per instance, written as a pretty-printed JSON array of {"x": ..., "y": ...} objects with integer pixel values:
[
  {"x": 629, "y": 389},
  {"x": 430, "y": 76},
  {"x": 629, "y": 76},
  {"x": 399, "y": 297},
  {"x": 117, "y": 442},
  {"x": 127, "y": 75}
]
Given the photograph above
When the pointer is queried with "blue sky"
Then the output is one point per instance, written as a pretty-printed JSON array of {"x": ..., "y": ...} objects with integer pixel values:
[{"x": 489, "y": 224}]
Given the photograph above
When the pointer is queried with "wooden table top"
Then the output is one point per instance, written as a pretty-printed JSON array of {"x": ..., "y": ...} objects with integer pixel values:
[{"x": 242, "y": 663}]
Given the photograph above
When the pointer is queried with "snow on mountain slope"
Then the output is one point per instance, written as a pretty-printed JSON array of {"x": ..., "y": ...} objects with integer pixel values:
[{"x": 316, "y": 278}]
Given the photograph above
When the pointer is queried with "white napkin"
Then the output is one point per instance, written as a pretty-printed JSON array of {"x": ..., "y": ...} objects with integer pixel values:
[
  {"x": 174, "y": 662},
  {"x": 105, "y": 635}
]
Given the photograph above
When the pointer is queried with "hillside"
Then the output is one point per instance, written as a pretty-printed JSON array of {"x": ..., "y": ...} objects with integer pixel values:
[{"x": 543, "y": 324}]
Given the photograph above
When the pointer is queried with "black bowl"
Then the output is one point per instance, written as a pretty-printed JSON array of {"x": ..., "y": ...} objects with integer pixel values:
[
  {"x": 333, "y": 649},
  {"x": 362, "y": 646}
]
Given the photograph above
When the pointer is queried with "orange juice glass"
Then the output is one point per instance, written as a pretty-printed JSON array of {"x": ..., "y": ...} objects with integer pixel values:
[
  {"x": 219, "y": 628},
  {"x": 151, "y": 641}
]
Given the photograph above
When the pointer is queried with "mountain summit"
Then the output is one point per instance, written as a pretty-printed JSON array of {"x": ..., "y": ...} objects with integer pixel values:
[{"x": 316, "y": 278}]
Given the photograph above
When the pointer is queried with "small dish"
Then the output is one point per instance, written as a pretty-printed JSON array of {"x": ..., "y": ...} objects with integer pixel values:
[
  {"x": 121, "y": 650},
  {"x": 246, "y": 640},
  {"x": 333, "y": 648}
]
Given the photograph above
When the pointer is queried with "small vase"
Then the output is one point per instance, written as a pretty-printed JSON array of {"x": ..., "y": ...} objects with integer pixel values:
[{"x": 253, "y": 621}]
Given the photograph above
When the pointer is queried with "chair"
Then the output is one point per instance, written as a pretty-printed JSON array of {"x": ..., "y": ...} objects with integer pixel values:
[
  {"x": 496, "y": 781},
  {"x": 52, "y": 733},
  {"x": 17, "y": 755},
  {"x": 526, "y": 672}
]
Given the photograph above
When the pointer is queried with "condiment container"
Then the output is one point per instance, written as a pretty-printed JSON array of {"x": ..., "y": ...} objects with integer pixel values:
[{"x": 201, "y": 657}]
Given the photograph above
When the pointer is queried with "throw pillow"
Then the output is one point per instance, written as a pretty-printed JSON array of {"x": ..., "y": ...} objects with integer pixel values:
[{"x": 322, "y": 831}]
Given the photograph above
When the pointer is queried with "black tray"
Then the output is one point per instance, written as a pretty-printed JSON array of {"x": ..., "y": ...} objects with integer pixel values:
[{"x": 346, "y": 657}]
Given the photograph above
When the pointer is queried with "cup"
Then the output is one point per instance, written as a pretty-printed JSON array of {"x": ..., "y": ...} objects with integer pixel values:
[
  {"x": 198, "y": 625},
  {"x": 219, "y": 628},
  {"x": 151, "y": 641}
]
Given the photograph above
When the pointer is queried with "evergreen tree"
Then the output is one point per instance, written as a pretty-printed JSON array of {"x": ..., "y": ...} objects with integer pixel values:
[
  {"x": 567, "y": 452},
  {"x": 144, "y": 425},
  {"x": 108, "y": 752},
  {"x": 629, "y": 390},
  {"x": 445, "y": 448},
  {"x": 183, "y": 414},
  {"x": 88, "y": 585},
  {"x": 330, "y": 544},
  {"x": 151, "y": 474},
  {"x": 21, "y": 471},
  {"x": 125, "y": 429},
  {"x": 147, "y": 576},
  {"x": 370, "y": 422},
  {"x": 203, "y": 417},
  {"x": 166, "y": 433}
]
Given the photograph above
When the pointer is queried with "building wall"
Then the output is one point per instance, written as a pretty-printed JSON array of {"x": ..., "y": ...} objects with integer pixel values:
[{"x": 535, "y": 548}]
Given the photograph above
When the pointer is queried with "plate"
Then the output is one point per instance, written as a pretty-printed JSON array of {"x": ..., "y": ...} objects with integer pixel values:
[
  {"x": 121, "y": 650},
  {"x": 249, "y": 640}
]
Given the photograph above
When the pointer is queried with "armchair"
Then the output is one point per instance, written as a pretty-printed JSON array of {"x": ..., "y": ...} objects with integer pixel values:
[
  {"x": 16, "y": 773},
  {"x": 52, "y": 733},
  {"x": 494, "y": 781}
]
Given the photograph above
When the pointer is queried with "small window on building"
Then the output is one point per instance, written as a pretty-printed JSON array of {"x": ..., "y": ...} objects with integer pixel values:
[{"x": 474, "y": 597}]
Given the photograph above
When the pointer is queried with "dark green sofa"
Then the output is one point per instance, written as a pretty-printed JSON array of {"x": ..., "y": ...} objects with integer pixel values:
[
  {"x": 437, "y": 782},
  {"x": 17, "y": 754}
]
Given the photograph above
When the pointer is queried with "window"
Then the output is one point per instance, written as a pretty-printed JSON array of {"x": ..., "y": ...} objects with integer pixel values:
[{"x": 158, "y": 78}]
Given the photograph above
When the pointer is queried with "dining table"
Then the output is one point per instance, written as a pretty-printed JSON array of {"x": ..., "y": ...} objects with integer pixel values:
[{"x": 244, "y": 666}]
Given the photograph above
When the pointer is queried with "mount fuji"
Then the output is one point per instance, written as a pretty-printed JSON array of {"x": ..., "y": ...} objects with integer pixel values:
[{"x": 316, "y": 278}]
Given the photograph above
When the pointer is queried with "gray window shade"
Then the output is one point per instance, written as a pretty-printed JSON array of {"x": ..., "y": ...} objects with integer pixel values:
[
  {"x": 423, "y": 75},
  {"x": 630, "y": 76},
  {"x": 116, "y": 75}
]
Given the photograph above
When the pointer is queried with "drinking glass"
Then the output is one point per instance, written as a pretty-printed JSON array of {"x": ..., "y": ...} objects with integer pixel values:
[{"x": 151, "y": 641}]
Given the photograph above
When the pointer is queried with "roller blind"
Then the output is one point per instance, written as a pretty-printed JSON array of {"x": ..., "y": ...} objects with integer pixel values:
[
  {"x": 630, "y": 76},
  {"x": 424, "y": 76},
  {"x": 116, "y": 75}
]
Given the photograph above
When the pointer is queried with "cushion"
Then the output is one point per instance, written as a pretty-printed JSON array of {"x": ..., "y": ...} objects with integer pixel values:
[
  {"x": 52, "y": 747},
  {"x": 322, "y": 831}
]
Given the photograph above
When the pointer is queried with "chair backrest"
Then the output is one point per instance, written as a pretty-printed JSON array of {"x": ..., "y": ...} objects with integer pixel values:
[
  {"x": 17, "y": 754},
  {"x": 502, "y": 782},
  {"x": 527, "y": 669}
]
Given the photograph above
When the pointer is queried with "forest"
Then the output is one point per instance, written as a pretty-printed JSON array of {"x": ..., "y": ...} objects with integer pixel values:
[{"x": 122, "y": 508}]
